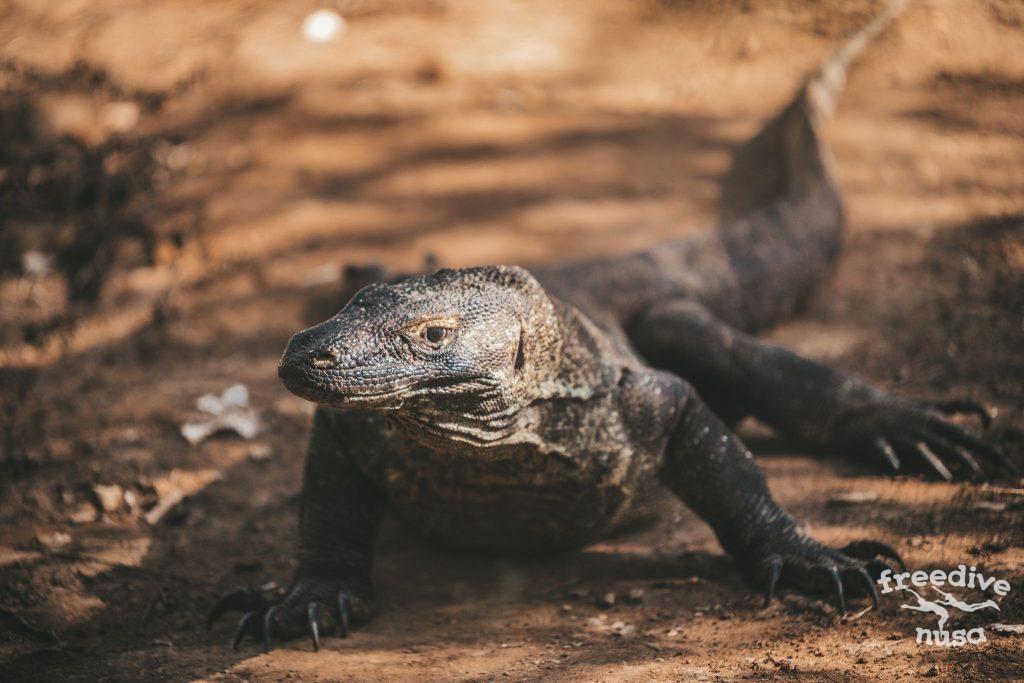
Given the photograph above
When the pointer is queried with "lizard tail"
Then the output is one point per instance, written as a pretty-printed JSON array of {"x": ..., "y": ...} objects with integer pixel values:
[
  {"x": 825, "y": 85},
  {"x": 782, "y": 215}
]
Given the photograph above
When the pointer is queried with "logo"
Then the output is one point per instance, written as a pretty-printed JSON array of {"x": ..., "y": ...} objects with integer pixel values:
[{"x": 932, "y": 584}]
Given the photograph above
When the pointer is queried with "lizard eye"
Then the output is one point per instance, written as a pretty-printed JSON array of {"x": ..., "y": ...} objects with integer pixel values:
[{"x": 435, "y": 335}]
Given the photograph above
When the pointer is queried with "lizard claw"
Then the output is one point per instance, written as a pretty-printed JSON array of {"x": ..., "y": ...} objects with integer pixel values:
[
  {"x": 268, "y": 628},
  {"x": 344, "y": 613},
  {"x": 245, "y": 628},
  {"x": 307, "y": 610},
  {"x": 917, "y": 436},
  {"x": 313, "y": 614},
  {"x": 837, "y": 582},
  {"x": 959, "y": 406},
  {"x": 245, "y": 599},
  {"x": 870, "y": 550},
  {"x": 800, "y": 562},
  {"x": 869, "y": 583},
  {"x": 774, "y": 572},
  {"x": 929, "y": 457},
  {"x": 885, "y": 448}
]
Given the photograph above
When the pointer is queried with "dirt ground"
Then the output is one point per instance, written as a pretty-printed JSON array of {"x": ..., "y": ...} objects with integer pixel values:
[{"x": 181, "y": 183}]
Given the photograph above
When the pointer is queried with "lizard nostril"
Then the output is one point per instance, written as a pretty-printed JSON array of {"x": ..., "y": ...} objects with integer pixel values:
[{"x": 323, "y": 359}]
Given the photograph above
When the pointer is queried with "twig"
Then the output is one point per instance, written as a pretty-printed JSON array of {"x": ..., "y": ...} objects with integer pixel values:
[{"x": 1003, "y": 489}]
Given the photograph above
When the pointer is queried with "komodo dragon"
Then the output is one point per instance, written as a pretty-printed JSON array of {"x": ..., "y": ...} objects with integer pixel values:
[{"x": 510, "y": 410}]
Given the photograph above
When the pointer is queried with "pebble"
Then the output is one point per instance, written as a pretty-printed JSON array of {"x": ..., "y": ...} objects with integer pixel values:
[
  {"x": 109, "y": 496},
  {"x": 54, "y": 540},
  {"x": 84, "y": 513}
]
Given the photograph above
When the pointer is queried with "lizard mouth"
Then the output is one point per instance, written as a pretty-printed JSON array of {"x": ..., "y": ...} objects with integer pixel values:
[
  {"x": 325, "y": 390},
  {"x": 338, "y": 390}
]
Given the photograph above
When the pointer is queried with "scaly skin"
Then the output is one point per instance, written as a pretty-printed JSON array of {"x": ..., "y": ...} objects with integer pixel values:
[{"x": 501, "y": 409}]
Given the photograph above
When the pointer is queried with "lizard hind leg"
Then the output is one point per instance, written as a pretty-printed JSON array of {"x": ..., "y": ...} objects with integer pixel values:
[{"x": 711, "y": 470}]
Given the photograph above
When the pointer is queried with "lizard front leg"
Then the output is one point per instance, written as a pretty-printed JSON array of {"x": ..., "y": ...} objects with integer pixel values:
[
  {"x": 818, "y": 406},
  {"x": 338, "y": 523},
  {"x": 711, "y": 470}
]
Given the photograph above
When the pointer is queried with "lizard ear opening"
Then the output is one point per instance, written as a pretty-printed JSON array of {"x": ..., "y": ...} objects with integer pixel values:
[{"x": 520, "y": 356}]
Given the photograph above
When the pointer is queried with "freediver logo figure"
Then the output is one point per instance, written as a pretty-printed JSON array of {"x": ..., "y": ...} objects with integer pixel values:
[
  {"x": 959, "y": 577},
  {"x": 928, "y": 606}
]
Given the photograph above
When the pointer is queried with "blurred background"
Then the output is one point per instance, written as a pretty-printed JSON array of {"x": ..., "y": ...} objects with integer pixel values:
[{"x": 182, "y": 184}]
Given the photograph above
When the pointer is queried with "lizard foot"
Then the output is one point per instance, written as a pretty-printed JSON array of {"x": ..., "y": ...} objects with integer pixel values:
[
  {"x": 801, "y": 562},
  {"x": 312, "y": 607},
  {"x": 911, "y": 437}
]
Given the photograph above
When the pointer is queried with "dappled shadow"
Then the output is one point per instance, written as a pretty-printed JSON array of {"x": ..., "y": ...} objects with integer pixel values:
[
  {"x": 233, "y": 236},
  {"x": 689, "y": 133}
]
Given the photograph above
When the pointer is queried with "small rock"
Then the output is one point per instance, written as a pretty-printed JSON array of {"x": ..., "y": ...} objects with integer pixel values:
[
  {"x": 109, "y": 496},
  {"x": 174, "y": 157},
  {"x": 607, "y": 600},
  {"x": 565, "y": 608},
  {"x": 35, "y": 263},
  {"x": 83, "y": 514},
  {"x": 260, "y": 452},
  {"x": 1008, "y": 629},
  {"x": 621, "y": 629},
  {"x": 53, "y": 540},
  {"x": 120, "y": 117},
  {"x": 847, "y": 498},
  {"x": 635, "y": 596}
]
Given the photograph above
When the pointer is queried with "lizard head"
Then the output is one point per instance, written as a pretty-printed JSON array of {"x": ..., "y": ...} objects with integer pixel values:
[{"x": 454, "y": 350}]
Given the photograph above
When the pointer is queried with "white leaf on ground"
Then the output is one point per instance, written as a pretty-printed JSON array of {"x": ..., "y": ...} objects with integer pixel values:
[{"x": 230, "y": 411}]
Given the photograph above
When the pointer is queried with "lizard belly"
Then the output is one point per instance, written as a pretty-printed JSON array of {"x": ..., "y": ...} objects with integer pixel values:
[{"x": 519, "y": 501}]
